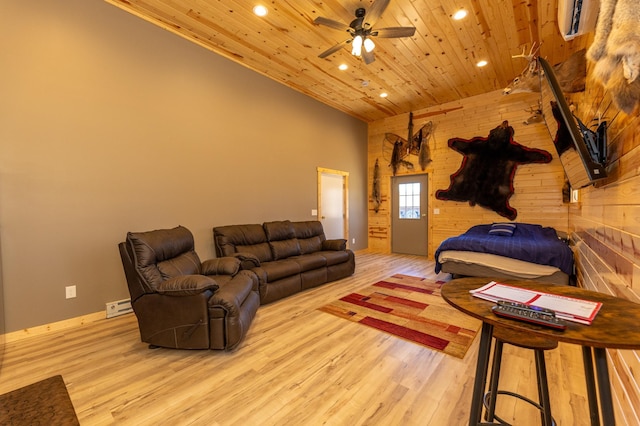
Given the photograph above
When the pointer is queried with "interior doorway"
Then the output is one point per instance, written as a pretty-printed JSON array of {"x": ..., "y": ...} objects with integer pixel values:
[
  {"x": 333, "y": 206},
  {"x": 409, "y": 214}
]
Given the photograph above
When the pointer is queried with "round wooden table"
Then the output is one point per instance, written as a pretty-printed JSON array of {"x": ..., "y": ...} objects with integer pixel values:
[{"x": 615, "y": 326}]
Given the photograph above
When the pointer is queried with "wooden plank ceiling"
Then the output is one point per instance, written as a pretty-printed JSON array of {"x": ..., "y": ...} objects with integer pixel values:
[{"x": 435, "y": 66}]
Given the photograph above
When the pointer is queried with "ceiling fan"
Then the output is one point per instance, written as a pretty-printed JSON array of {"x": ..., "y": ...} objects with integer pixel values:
[{"x": 361, "y": 31}]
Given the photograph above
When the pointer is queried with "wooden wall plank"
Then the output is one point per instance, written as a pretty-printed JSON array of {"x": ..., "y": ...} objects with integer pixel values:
[{"x": 605, "y": 227}]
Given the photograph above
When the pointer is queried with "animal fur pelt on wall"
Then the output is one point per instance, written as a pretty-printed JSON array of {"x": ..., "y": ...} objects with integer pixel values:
[
  {"x": 616, "y": 51},
  {"x": 424, "y": 152},
  {"x": 375, "y": 185},
  {"x": 486, "y": 174}
]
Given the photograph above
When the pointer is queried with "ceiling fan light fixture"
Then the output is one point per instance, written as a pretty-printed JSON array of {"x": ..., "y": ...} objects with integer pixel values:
[
  {"x": 369, "y": 45},
  {"x": 356, "y": 49},
  {"x": 361, "y": 30}
]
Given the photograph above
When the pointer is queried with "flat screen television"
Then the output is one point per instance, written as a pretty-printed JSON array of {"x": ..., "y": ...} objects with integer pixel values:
[{"x": 582, "y": 151}]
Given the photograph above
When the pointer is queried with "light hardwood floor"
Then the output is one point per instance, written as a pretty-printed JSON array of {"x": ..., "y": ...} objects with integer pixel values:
[{"x": 297, "y": 366}]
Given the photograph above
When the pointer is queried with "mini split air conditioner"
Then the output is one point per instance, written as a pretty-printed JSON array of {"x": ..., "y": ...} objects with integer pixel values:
[{"x": 577, "y": 17}]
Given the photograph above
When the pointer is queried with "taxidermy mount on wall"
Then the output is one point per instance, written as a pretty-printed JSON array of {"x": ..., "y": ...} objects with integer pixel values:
[
  {"x": 416, "y": 144},
  {"x": 616, "y": 52},
  {"x": 488, "y": 167},
  {"x": 571, "y": 74}
]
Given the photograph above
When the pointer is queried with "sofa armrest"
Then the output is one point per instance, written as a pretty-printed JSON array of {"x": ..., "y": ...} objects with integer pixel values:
[
  {"x": 232, "y": 295},
  {"x": 187, "y": 285},
  {"x": 336, "y": 245},
  {"x": 221, "y": 266},
  {"x": 247, "y": 260}
]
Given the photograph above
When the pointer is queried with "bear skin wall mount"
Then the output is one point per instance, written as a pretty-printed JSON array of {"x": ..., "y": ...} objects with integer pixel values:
[{"x": 486, "y": 174}]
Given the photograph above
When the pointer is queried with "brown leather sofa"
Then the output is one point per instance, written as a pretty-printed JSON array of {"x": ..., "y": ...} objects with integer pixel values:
[
  {"x": 180, "y": 302},
  {"x": 286, "y": 257}
]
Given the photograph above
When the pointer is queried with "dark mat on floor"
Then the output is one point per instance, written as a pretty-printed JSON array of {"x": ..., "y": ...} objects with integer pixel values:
[{"x": 42, "y": 403}]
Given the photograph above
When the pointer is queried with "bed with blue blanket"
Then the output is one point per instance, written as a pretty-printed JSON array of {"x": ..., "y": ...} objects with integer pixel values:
[{"x": 507, "y": 251}]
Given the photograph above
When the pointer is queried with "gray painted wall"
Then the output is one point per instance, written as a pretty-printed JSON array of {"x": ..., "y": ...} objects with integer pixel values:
[{"x": 109, "y": 124}]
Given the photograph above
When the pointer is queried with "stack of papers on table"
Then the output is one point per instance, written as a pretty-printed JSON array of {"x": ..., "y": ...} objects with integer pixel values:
[{"x": 567, "y": 308}]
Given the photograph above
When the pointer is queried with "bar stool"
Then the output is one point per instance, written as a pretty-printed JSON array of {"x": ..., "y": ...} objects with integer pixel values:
[{"x": 527, "y": 341}]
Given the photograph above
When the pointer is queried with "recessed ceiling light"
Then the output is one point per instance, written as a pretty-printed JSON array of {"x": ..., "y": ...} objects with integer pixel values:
[
  {"x": 343, "y": 67},
  {"x": 383, "y": 95},
  {"x": 482, "y": 63},
  {"x": 260, "y": 10},
  {"x": 461, "y": 14}
]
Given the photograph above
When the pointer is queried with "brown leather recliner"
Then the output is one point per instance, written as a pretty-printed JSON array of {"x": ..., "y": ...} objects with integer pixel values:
[{"x": 180, "y": 302}]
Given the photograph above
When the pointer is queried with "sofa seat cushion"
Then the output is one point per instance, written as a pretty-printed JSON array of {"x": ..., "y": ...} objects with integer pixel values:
[
  {"x": 311, "y": 261},
  {"x": 272, "y": 271},
  {"x": 335, "y": 257}
]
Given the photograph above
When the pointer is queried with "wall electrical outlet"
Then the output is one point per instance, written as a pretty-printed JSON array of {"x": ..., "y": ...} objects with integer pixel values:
[
  {"x": 575, "y": 195},
  {"x": 70, "y": 291},
  {"x": 353, "y": 241}
]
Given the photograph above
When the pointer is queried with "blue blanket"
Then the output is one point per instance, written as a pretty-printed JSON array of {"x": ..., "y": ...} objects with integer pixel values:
[{"x": 531, "y": 243}]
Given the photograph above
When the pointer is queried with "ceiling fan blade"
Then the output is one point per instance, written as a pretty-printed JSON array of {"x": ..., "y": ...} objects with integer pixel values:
[
  {"x": 375, "y": 12},
  {"x": 331, "y": 23},
  {"x": 394, "y": 32},
  {"x": 334, "y": 49},
  {"x": 368, "y": 57}
]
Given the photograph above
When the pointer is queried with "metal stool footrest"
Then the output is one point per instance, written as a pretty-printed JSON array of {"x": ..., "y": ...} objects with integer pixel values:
[{"x": 487, "y": 398}]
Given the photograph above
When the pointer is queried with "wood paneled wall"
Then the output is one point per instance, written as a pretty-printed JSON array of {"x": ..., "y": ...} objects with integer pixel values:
[
  {"x": 538, "y": 187},
  {"x": 604, "y": 225},
  {"x": 605, "y": 229}
]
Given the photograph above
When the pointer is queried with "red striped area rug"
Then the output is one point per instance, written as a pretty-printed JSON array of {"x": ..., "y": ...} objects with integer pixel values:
[{"x": 410, "y": 308}]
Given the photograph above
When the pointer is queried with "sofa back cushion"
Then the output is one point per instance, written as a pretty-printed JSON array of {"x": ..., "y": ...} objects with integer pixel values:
[
  {"x": 282, "y": 239},
  {"x": 250, "y": 239},
  {"x": 310, "y": 235},
  {"x": 163, "y": 253}
]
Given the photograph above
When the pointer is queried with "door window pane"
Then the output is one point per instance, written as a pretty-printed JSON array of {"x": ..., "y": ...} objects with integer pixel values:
[{"x": 409, "y": 200}]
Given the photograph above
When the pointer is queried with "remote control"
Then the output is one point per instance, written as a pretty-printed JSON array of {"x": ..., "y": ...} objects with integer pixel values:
[{"x": 532, "y": 314}]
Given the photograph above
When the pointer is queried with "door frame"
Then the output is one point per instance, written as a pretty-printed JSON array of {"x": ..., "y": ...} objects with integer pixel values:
[
  {"x": 345, "y": 196},
  {"x": 431, "y": 198}
]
